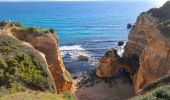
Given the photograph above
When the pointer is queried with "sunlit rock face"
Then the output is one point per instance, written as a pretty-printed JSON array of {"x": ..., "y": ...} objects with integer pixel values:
[
  {"x": 146, "y": 54},
  {"x": 110, "y": 64},
  {"x": 154, "y": 61},
  {"x": 47, "y": 43}
]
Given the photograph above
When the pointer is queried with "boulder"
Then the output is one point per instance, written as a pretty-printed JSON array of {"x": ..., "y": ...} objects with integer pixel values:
[
  {"x": 83, "y": 58},
  {"x": 120, "y": 43},
  {"x": 129, "y": 26}
]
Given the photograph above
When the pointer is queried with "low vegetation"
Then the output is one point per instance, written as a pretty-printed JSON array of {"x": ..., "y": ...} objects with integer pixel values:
[
  {"x": 157, "y": 90},
  {"x": 10, "y": 24},
  {"x": 163, "y": 15},
  {"x": 161, "y": 81},
  {"x": 18, "y": 70},
  {"x": 36, "y": 31},
  {"x": 165, "y": 28},
  {"x": 32, "y": 95},
  {"x": 160, "y": 93}
]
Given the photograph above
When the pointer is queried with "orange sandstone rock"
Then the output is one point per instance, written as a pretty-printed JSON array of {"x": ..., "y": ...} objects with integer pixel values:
[{"x": 110, "y": 63}]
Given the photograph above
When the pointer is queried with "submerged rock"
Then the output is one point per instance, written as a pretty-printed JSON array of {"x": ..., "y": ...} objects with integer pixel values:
[
  {"x": 83, "y": 58},
  {"x": 120, "y": 43},
  {"x": 129, "y": 26}
]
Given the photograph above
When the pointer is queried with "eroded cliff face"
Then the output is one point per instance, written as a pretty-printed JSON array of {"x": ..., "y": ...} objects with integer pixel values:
[
  {"x": 147, "y": 50},
  {"x": 47, "y": 43},
  {"x": 154, "y": 62},
  {"x": 110, "y": 63}
]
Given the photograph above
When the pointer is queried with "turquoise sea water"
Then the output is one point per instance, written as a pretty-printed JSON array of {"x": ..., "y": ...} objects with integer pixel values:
[{"x": 83, "y": 28}]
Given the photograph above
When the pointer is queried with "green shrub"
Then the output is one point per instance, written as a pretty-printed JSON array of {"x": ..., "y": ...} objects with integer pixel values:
[
  {"x": 15, "y": 87},
  {"x": 157, "y": 90},
  {"x": 165, "y": 28},
  {"x": 18, "y": 69},
  {"x": 34, "y": 95},
  {"x": 51, "y": 30},
  {"x": 11, "y": 43},
  {"x": 10, "y": 23},
  {"x": 2, "y": 63},
  {"x": 159, "y": 82},
  {"x": 160, "y": 93},
  {"x": 36, "y": 31}
]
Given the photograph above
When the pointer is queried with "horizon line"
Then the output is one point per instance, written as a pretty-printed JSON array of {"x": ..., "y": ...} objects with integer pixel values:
[
  {"x": 67, "y": 0},
  {"x": 72, "y": 0}
]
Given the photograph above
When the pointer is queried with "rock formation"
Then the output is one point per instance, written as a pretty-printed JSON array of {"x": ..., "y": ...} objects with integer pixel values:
[
  {"x": 110, "y": 64},
  {"x": 46, "y": 42},
  {"x": 82, "y": 58},
  {"x": 147, "y": 51}
]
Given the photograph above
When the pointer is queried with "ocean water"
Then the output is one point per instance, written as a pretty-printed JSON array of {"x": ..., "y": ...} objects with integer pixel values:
[{"x": 83, "y": 28}]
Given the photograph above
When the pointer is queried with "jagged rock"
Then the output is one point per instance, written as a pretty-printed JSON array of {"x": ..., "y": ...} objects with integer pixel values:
[
  {"x": 105, "y": 67},
  {"x": 109, "y": 64}
]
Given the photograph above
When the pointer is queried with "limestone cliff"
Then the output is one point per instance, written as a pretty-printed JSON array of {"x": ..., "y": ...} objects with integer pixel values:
[
  {"x": 46, "y": 42},
  {"x": 147, "y": 50}
]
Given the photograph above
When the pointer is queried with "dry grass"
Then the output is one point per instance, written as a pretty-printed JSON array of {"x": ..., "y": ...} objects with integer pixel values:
[{"x": 32, "y": 95}]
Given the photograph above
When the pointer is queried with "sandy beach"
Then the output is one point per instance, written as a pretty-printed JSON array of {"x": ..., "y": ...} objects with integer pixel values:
[{"x": 119, "y": 89}]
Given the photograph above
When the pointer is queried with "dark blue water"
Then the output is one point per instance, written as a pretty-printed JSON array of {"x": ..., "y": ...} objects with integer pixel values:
[{"x": 84, "y": 28}]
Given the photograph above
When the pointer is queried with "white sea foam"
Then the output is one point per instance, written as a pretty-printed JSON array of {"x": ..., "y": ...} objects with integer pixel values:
[
  {"x": 73, "y": 47},
  {"x": 120, "y": 49},
  {"x": 74, "y": 51}
]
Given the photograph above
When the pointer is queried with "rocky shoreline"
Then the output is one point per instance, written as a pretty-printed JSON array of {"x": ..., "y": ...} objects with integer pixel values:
[{"x": 89, "y": 78}]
